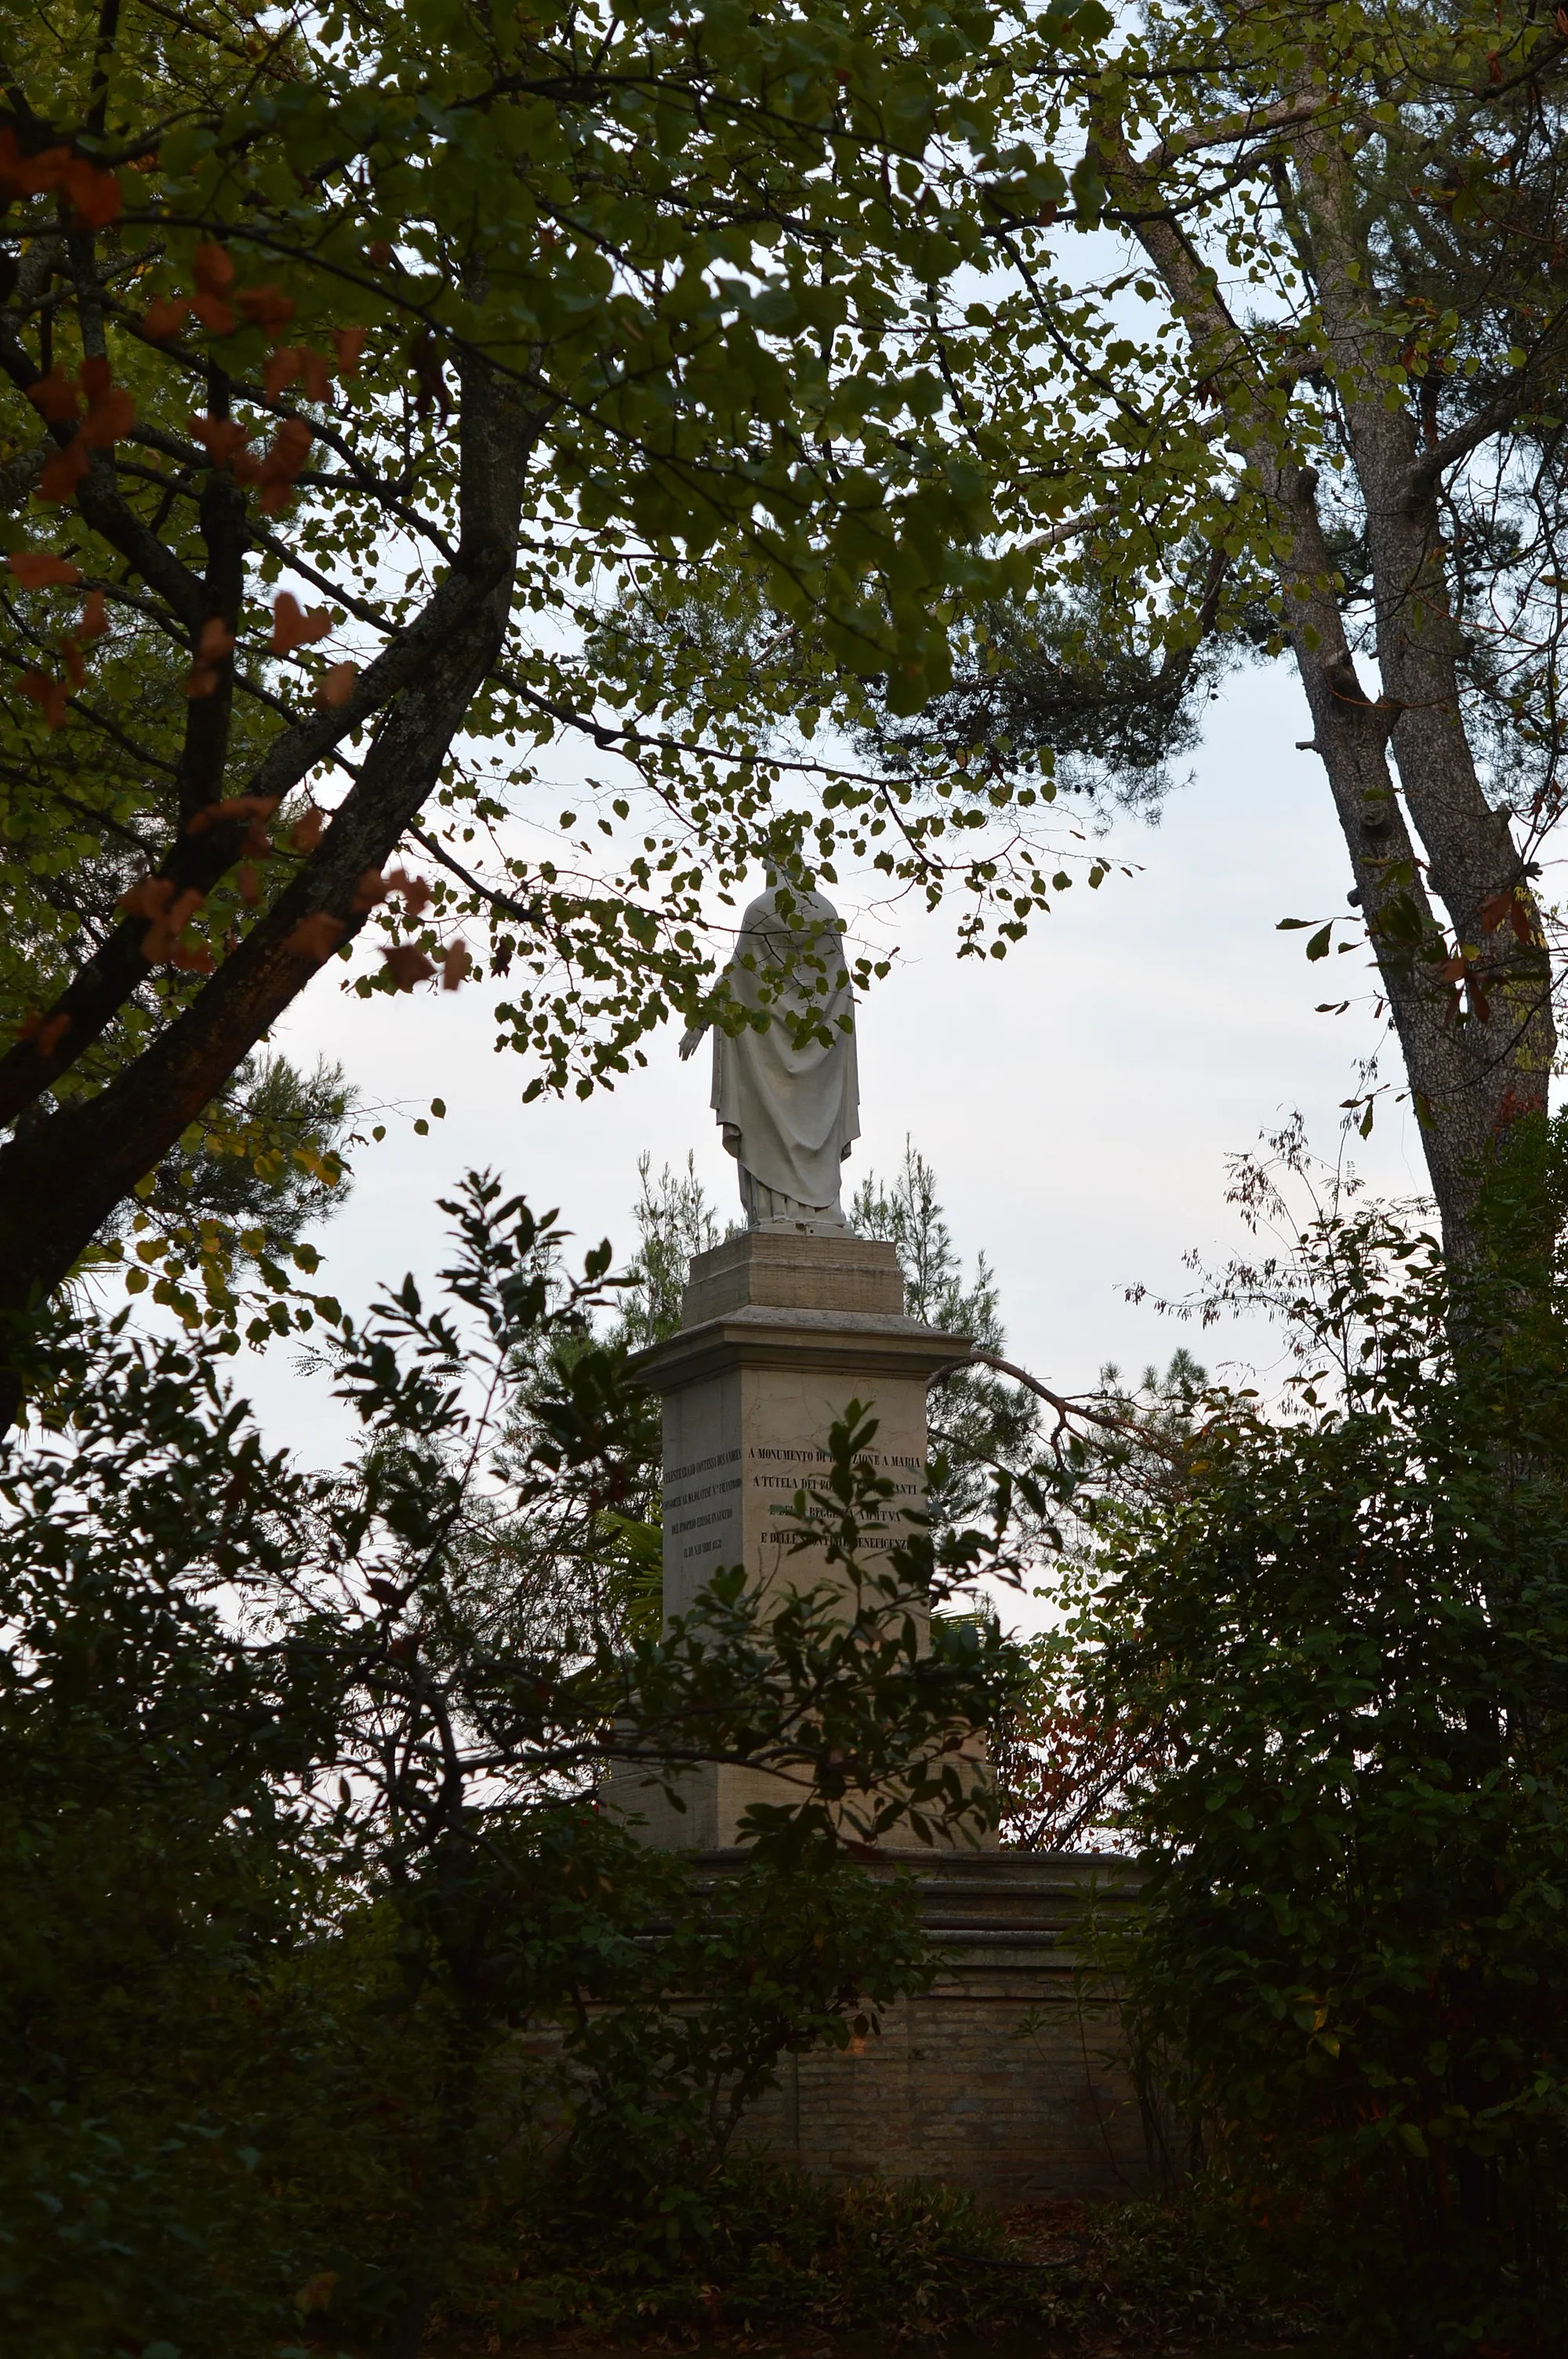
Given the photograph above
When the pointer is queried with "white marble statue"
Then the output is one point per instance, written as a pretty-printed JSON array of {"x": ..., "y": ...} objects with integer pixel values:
[{"x": 788, "y": 1114}]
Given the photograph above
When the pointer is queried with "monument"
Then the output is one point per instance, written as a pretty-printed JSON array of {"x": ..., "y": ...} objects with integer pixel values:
[
  {"x": 786, "y": 1322},
  {"x": 1008, "y": 2077}
]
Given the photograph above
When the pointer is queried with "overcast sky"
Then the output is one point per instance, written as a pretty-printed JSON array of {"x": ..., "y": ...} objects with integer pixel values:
[{"x": 1077, "y": 1100}]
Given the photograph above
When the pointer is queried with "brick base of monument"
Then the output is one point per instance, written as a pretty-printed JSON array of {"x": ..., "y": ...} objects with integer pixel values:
[{"x": 1009, "y": 2078}]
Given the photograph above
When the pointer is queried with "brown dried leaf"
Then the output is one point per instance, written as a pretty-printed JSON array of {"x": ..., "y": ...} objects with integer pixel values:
[
  {"x": 294, "y": 627},
  {"x": 214, "y": 271},
  {"x": 165, "y": 316},
  {"x": 220, "y": 438},
  {"x": 411, "y": 891},
  {"x": 407, "y": 964},
  {"x": 63, "y": 469},
  {"x": 316, "y": 937},
  {"x": 217, "y": 640},
  {"x": 245, "y": 807},
  {"x": 151, "y": 898},
  {"x": 55, "y": 395},
  {"x": 48, "y": 695},
  {"x": 34, "y": 568}
]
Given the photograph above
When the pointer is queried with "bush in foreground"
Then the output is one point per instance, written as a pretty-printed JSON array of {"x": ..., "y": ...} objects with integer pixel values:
[{"x": 775, "y": 2252}]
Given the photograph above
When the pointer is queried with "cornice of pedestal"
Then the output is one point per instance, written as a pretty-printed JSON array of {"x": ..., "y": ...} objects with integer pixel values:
[{"x": 760, "y": 1335}]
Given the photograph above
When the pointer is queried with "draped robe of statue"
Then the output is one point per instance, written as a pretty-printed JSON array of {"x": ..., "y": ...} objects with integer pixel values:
[{"x": 789, "y": 1113}]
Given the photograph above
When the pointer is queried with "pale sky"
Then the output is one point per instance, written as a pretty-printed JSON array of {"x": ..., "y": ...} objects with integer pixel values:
[{"x": 1077, "y": 1100}]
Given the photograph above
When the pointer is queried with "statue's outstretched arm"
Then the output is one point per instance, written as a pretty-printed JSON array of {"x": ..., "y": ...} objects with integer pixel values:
[{"x": 691, "y": 1040}]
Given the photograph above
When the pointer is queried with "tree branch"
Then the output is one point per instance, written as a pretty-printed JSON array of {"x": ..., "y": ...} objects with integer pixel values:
[{"x": 1065, "y": 1409}]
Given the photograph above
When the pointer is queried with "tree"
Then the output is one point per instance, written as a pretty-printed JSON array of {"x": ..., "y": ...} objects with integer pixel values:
[
  {"x": 301, "y": 1823},
  {"x": 508, "y": 311},
  {"x": 1317, "y": 407},
  {"x": 1330, "y": 1636},
  {"x": 229, "y": 1205},
  {"x": 1063, "y": 1762},
  {"x": 586, "y": 1550},
  {"x": 674, "y": 1221},
  {"x": 980, "y": 1423}
]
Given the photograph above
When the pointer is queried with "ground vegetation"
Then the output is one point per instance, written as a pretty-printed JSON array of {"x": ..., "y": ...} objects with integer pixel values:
[
  {"x": 1320, "y": 1644},
  {"x": 323, "y": 1922}
]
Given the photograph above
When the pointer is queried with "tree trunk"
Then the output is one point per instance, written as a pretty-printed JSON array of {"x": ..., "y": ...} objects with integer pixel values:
[
  {"x": 1472, "y": 1067},
  {"x": 1505, "y": 1041},
  {"x": 61, "y": 1179}
]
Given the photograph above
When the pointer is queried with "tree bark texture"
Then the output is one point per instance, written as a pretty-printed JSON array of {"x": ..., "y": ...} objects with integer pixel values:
[{"x": 1424, "y": 843}]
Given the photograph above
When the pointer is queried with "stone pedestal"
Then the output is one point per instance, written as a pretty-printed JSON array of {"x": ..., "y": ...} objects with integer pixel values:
[
  {"x": 780, "y": 1331},
  {"x": 1010, "y": 2077}
]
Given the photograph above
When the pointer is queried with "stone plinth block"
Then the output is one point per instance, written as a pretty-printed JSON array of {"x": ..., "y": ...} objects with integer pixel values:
[{"x": 781, "y": 1331}]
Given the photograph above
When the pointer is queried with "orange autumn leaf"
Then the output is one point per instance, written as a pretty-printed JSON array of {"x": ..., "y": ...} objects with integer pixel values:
[
  {"x": 54, "y": 396},
  {"x": 293, "y": 628},
  {"x": 407, "y": 964},
  {"x": 63, "y": 469},
  {"x": 338, "y": 686},
  {"x": 151, "y": 898},
  {"x": 213, "y": 270},
  {"x": 287, "y": 452},
  {"x": 369, "y": 889},
  {"x": 110, "y": 418},
  {"x": 317, "y": 937},
  {"x": 165, "y": 316},
  {"x": 197, "y": 960},
  {"x": 217, "y": 641},
  {"x": 306, "y": 833},
  {"x": 220, "y": 438},
  {"x": 162, "y": 936},
  {"x": 36, "y": 568},
  {"x": 265, "y": 307},
  {"x": 455, "y": 965},
  {"x": 94, "y": 194},
  {"x": 349, "y": 344},
  {"x": 286, "y": 455},
  {"x": 249, "y": 884},
  {"x": 283, "y": 366},
  {"x": 44, "y": 1031},
  {"x": 94, "y": 616},
  {"x": 48, "y": 695},
  {"x": 214, "y": 315},
  {"x": 238, "y": 807},
  {"x": 29, "y": 176},
  {"x": 201, "y": 681},
  {"x": 317, "y": 376}
]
